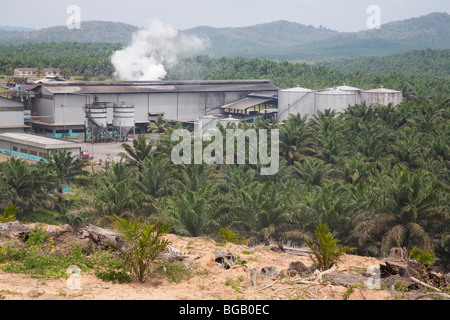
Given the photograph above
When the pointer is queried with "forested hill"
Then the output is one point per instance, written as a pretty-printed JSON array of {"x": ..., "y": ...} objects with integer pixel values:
[
  {"x": 425, "y": 62},
  {"x": 90, "y": 31},
  {"x": 280, "y": 40},
  {"x": 283, "y": 40}
]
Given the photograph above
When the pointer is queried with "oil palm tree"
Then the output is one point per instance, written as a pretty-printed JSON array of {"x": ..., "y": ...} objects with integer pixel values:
[
  {"x": 192, "y": 212},
  {"x": 407, "y": 208},
  {"x": 194, "y": 176},
  {"x": 139, "y": 151},
  {"x": 314, "y": 172},
  {"x": 68, "y": 167},
  {"x": 296, "y": 139},
  {"x": 159, "y": 126},
  {"x": 25, "y": 184},
  {"x": 156, "y": 178},
  {"x": 115, "y": 199}
]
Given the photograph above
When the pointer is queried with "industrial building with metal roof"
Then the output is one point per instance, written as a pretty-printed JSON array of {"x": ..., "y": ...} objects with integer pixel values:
[
  {"x": 11, "y": 115},
  {"x": 34, "y": 147},
  {"x": 60, "y": 107}
]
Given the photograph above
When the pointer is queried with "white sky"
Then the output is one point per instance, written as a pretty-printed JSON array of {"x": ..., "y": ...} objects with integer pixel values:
[{"x": 348, "y": 15}]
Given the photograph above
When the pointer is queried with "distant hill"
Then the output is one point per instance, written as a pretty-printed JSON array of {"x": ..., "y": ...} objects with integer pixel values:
[
  {"x": 424, "y": 62},
  {"x": 90, "y": 31},
  {"x": 19, "y": 29},
  {"x": 292, "y": 41},
  {"x": 280, "y": 40}
]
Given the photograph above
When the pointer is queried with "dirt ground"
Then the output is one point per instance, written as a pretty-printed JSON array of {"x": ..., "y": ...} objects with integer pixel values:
[{"x": 206, "y": 281}]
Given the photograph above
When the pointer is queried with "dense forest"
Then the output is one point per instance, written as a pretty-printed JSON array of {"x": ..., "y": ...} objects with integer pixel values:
[
  {"x": 424, "y": 62},
  {"x": 87, "y": 60}
]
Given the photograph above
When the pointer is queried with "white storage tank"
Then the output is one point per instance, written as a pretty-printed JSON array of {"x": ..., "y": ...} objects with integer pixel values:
[
  {"x": 356, "y": 91},
  {"x": 334, "y": 99},
  {"x": 382, "y": 96},
  {"x": 123, "y": 119},
  {"x": 295, "y": 101},
  {"x": 96, "y": 121}
]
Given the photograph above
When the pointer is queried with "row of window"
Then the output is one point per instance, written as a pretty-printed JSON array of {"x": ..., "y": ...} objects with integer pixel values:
[{"x": 32, "y": 152}]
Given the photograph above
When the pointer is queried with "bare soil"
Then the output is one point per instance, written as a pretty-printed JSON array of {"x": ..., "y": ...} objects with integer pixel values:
[{"x": 206, "y": 281}]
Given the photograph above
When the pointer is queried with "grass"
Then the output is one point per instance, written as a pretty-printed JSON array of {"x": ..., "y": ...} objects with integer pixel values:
[
  {"x": 44, "y": 260},
  {"x": 236, "y": 283}
]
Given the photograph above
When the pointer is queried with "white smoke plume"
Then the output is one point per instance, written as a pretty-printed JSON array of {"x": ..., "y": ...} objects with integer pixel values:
[{"x": 152, "y": 51}]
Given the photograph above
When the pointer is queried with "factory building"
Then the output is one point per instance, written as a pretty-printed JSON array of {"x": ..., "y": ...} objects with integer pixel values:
[
  {"x": 60, "y": 108},
  {"x": 34, "y": 147},
  {"x": 11, "y": 115}
]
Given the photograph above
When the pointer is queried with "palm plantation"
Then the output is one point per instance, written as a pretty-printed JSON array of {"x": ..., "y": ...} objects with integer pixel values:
[{"x": 377, "y": 176}]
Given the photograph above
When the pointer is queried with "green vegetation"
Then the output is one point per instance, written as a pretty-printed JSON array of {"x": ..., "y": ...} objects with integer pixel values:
[
  {"x": 425, "y": 62},
  {"x": 9, "y": 214},
  {"x": 230, "y": 236},
  {"x": 146, "y": 243},
  {"x": 422, "y": 256},
  {"x": 376, "y": 176},
  {"x": 327, "y": 251},
  {"x": 278, "y": 40},
  {"x": 90, "y": 32},
  {"x": 73, "y": 59}
]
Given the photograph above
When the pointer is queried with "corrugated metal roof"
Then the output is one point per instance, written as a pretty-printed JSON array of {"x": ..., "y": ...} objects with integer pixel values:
[
  {"x": 37, "y": 141},
  {"x": 159, "y": 86},
  {"x": 246, "y": 103}
]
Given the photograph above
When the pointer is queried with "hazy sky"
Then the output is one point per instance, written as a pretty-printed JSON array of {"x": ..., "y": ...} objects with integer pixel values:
[{"x": 348, "y": 15}]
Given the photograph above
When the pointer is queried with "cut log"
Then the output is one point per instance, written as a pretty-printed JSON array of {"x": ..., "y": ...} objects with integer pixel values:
[
  {"x": 103, "y": 238},
  {"x": 225, "y": 260},
  {"x": 14, "y": 230},
  {"x": 346, "y": 280},
  {"x": 294, "y": 251},
  {"x": 171, "y": 254}
]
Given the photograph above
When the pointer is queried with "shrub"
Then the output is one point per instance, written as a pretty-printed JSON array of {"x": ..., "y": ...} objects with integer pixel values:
[
  {"x": 230, "y": 236},
  {"x": 36, "y": 237},
  {"x": 146, "y": 243},
  {"x": 9, "y": 214},
  {"x": 422, "y": 256},
  {"x": 327, "y": 251}
]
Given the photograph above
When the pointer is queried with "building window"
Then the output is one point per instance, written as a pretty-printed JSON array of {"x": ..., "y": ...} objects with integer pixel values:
[
  {"x": 33, "y": 153},
  {"x": 23, "y": 150},
  {"x": 14, "y": 148}
]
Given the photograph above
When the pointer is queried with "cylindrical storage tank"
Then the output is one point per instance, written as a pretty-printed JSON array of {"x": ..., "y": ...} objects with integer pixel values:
[
  {"x": 382, "y": 96},
  {"x": 209, "y": 122},
  {"x": 334, "y": 99},
  {"x": 123, "y": 119},
  {"x": 96, "y": 120},
  {"x": 295, "y": 101},
  {"x": 354, "y": 90},
  {"x": 225, "y": 121}
]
